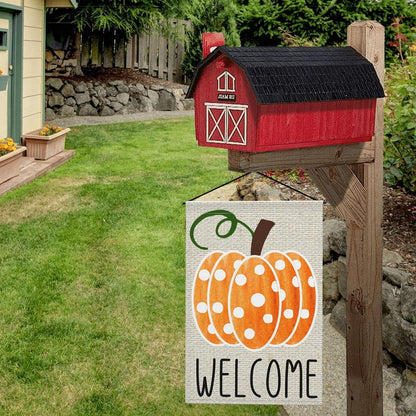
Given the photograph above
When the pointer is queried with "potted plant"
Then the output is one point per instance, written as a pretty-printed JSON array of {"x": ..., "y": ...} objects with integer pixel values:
[
  {"x": 10, "y": 159},
  {"x": 3, "y": 81},
  {"x": 44, "y": 143}
]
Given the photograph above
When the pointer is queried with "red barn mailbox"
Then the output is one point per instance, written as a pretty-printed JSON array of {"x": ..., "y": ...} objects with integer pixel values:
[{"x": 259, "y": 99}]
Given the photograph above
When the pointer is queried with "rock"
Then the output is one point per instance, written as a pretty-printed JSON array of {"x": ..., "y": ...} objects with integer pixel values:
[
  {"x": 334, "y": 238},
  {"x": 116, "y": 83},
  {"x": 235, "y": 197},
  {"x": 328, "y": 306},
  {"x": 71, "y": 102},
  {"x": 390, "y": 298},
  {"x": 269, "y": 193},
  {"x": 330, "y": 281},
  {"x": 82, "y": 98},
  {"x": 49, "y": 114},
  {"x": 107, "y": 111},
  {"x": 408, "y": 304},
  {"x": 54, "y": 83},
  {"x": 156, "y": 87},
  {"x": 111, "y": 91},
  {"x": 66, "y": 111},
  {"x": 101, "y": 91},
  {"x": 399, "y": 338},
  {"x": 395, "y": 276},
  {"x": 249, "y": 197},
  {"x": 154, "y": 97},
  {"x": 145, "y": 104},
  {"x": 116, "y": 106},
  {"x": 342, "y": 276},
  {"x": 95, "y": 101},
  {"x": 338, "y": 317},
  {"x": 391, "y": 258},
  {"x": 188, "y": 103},
  {"x": 166, "y": 101},
  {"x": 68, "y": 90},
  {"x": 87, "y": 110},
  {"x": 123, "y": 98},
  {"x": 406, "y": 395},
  {"x": 56, "y": 100},
  {"x": 123, "y": 88},
  {"x": 81, "y": 87}
]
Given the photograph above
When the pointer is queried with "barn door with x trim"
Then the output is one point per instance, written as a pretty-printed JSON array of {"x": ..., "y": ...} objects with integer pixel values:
[{"x": 226, "y": 123}]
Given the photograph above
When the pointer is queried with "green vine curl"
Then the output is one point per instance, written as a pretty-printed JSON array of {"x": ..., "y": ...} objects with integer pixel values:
[{"x": 229, "y": 217}]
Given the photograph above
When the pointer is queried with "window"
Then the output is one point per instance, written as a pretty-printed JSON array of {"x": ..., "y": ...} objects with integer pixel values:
[
  {"x": 3, "y": 39},
  {"x": 226, "y": 82}
]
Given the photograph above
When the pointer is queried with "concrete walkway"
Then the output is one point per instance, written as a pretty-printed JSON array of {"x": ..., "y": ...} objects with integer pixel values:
[{"x": 94, "y": 120}]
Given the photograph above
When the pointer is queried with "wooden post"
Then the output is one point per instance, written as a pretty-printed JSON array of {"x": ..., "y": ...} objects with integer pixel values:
[
  {"x": 356, "y": 191},
  {"x": 351, "y": 179}
]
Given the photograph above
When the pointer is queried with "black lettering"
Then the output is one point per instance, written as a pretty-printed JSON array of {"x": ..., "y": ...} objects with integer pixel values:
[
  {"x": 236, "y": 381},
  {"x": 252, "y": 377},
  {"x": 268, "y": 378},
  {"x": 222, "y": 374},
  {"x": 204, "y": 389},
  {"x": 308, "y": 375},
  {"x": 293, "y": 369}
]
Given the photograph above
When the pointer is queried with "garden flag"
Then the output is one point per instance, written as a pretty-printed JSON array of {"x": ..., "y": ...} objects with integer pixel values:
[{"x": 253, "y": 302}]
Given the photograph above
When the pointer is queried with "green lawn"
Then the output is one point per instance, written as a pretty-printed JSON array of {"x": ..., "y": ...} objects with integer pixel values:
[{"x": 92, "y": 261}]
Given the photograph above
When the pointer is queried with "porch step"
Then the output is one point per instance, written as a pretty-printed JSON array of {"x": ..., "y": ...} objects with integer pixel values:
[{"x": 32, "y": 169}]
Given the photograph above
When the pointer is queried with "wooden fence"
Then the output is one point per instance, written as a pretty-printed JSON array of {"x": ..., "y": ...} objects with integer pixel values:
[{"x": 151, "y": 53}]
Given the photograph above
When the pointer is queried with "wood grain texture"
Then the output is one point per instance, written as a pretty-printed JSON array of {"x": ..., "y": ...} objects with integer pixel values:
[
  {"x": 294, "y": 158},
  {"x": 364, "y": 257}
]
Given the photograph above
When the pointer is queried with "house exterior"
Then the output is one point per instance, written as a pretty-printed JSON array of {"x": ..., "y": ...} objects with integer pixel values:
[
  {"x": 258, "y": 99},
  {"x": 22, "y": 52}
]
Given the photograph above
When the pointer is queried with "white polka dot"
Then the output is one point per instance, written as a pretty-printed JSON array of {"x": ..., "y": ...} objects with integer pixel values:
[
  {"x": 304, "y": 314},
  {"x": 211, "y": 329},
  {"x": 295, "y": 281},
  {"x": 259, "y": 270},
  {"x": 238, "y": 312},
  {"x": 288, "y": 314},
  {"x": 241, "y": 280},
  {"x": 249, "y": 333},
  {"x": 228, "y": 328},
  {"x": 237, "y": 264},
  {"x": 217, "y": 307},
  {"x": 275, "y": 286},
  {"x": 268, "y": 318},
  {"x": 297, "y": 264},
  {"x": 258, "y": 300},
  {"x": 311, "y": 281},
  {"x": 219, "y": 275},
  {"x": 282, "y": 295},
  {"x": 280, "y": 265},
  {"x": 204, "y": 274},
  {"x": 202, "y": 307}
]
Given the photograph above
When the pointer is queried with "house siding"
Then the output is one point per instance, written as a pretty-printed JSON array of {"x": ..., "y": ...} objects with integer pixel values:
[{"x": 33, "y": 61}]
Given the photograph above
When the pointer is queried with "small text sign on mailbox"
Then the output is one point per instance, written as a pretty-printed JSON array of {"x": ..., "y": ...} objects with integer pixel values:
[{"x": 253, "y": 302}]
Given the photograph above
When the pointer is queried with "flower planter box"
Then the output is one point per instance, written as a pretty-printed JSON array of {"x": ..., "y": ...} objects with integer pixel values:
[
  {"x": 44, "y": 147},
  {"x": 3, "y": 82},
  {"x": 10, "y": 164}
]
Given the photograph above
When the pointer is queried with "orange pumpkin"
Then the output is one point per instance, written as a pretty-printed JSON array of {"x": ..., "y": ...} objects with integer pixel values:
[{"x": 252, "y": 300}]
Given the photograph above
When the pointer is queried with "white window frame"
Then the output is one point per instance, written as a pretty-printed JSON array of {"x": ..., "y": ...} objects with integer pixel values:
[
  {"x": 226, "y": 114},
  {"x": 227, "y": 78}
]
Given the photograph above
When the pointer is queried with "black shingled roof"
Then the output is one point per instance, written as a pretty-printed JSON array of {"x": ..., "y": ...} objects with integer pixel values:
[{"x": 287, "y": 75}]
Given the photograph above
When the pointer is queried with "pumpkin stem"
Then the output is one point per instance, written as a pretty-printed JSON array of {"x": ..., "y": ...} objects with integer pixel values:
[{"x": 259, "y": 237}]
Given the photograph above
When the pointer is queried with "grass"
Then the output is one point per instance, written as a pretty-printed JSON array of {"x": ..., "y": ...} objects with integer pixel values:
[{"x": 92, "y": 260}]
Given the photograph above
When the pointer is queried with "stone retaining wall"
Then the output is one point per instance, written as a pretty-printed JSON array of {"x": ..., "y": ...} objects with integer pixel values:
[{"x": 66, "y": 98}]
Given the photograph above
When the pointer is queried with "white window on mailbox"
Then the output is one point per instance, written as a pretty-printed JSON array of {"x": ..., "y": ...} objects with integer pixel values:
[
  {"x": 226, "y": 123},
  {"x": 226, "y": 82}
]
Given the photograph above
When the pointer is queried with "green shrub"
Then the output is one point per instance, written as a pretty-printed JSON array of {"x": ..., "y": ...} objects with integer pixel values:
[{"x": 400, "y": 124}]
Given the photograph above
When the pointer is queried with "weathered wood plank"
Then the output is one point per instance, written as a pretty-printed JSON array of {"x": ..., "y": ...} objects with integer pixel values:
[
  {"x": 305, "y": 158},
  {"x": 143, "y": 51},
  {"x": 153, "y": 54},
  {"x": 343, "y": 191},
  {"x": 364, "y": 257}
]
